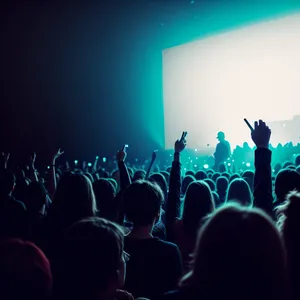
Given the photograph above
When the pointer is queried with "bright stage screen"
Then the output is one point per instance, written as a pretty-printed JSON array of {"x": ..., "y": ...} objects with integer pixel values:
[{"x": 213, "y": 83}]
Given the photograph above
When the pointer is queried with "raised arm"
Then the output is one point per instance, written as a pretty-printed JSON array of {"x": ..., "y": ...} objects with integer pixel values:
[
  {"x": 173, "y": 203},
  {"x": 125, "y": 179},
  {"x": 151, "y": 164},
  {"x": 52, "y": 176},
  {"x": 4, "y": 160},
  {"x": 32, "y": 169},
  {"x": 263, "y": 177}
]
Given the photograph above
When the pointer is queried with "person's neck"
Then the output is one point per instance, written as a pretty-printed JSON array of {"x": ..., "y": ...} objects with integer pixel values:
[{"x": 141, "y": 232}]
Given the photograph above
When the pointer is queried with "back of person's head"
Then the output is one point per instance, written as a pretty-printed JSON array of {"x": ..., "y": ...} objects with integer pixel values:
[
  {"x": 139, "y": 175},
  {"x": 89, "y": 176},
  {"x": 105, "y": 198},
  {"x": 234, "y": 176},
  {"x": 200, "y": 175},
  {"x": 222, "y": 168},
  {"x": 209, "y": 173},
  {"x": 130, "y": 172},
  {"x": 248, "y": 176},
  {"x": 114, "y": 183},
  {"x": 166, "y": 175},
  {"x": 239, "y": 191},
  {"x": 161, "y": 181},
  {"x": 222, "y": 186},
  {"x": 90, "y": 262},
  {"x": 211, "y": 184},
  {"x": 289, "y": 224},
  {"x": 190, "y": 172},
  {"x": 198, "y": 203},
  {"x": 286, "y": 181},
  {"x": 287, "y": 164},
  {"x": 277, "y": 168},
  {"x": 226, "y": 174},
  {"x": 186, "y": 182},
  {"x": 297, "y": 160},
  {"x": 7, "y": 182},
  {"x": 74, "y": 199},
  {"x": 215, "y": 176},
  {"x": 35, "y": 197},
  {"x": 216, "y": 198},
  {"x": 143, "y": 201},
  {"x": 25, "y": 271},
  {"x": 252, "y": 261}
]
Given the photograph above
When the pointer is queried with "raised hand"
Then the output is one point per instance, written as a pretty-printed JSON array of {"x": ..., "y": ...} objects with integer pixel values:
[
  {"x": 58, "y": 154},
  {"x": 261, "y": 134},
  {"x": 180, "y": 145},
  {"x": 121, "y": 155},
  {"x": 32, "y": 160},
  {"x": 154, "y": 155},
  {"x": 5, "y": 159}
]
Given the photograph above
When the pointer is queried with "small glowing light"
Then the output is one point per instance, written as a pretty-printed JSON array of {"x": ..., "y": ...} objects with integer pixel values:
[
  {"x": 184, "y": 169},
  {"x": 233, "y": 160},
  {"x": 206, "y": 166},
  {"x": 104, "y": 159},
  {"x": 195, "y": 166},
  {"x": 273, "y": 170},
  {"x": 196, "y": 150},
  {"x": 248, "y": 165},
  {"x": 75, "y": 161},
  {"x": 196, "y": 157},
  {"x": 191, "y": 161},
  {"x": 229, "y": 164},
  {"x": 89, "y": 164},
  {"x": 283, "y": 125},
  {"x": 170, "y": 154},
  {"x": 243, "y": 162},
  {"x": 97, "y": 157}
]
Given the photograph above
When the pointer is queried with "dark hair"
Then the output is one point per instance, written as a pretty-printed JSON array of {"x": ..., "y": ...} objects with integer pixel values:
[
  {"x": 234, "y": 176},
  {"x": 211, "y": 184},
  {"x": 215, "y": 176},
  {"x": 7, "y": 182},
  {"x": 222, "y": 186},
  {"x": 74, "y": 199},
  {"x": 166, "y": 175},
  {"x": 190, "y": 172},
  {"x": 138, "y": 175},
  {"x": 200, "y": 175},
  {"x": 253, "y": 256},
  {"x": 239, "y": 190},
  {"x": 198, "y": 203},
  {"x": 248, "y": 176},
  {"x": 226, "y": 174},
  {"x": 35, "y": 197},
  {"x": 216, "y": 198},
  {"x": 105, "y": 197},
  {"x": 289, "y": 223},
  {"x": 287, "y": 164},
  {"x": 161, "y": 181},
  {"x": 142, "y": 201},
  {"x": 297, "y": 160},
  {"x": 186, "y": 182},
  {"x": 285, "y": 182},
  {"x": 89, "y": 257},
  {"x": 24, "y": 271}
]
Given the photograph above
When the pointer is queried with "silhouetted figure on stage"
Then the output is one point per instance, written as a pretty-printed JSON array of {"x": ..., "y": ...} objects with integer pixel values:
[{"x": 223, "y": 151}]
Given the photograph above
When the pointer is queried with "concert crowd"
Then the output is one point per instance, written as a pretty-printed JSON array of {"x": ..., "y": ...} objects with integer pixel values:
[{"x": 222, "y": 230}]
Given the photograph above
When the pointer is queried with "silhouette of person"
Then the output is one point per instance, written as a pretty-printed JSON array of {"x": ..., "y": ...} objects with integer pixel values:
[{"x": 223, "y": 150}]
